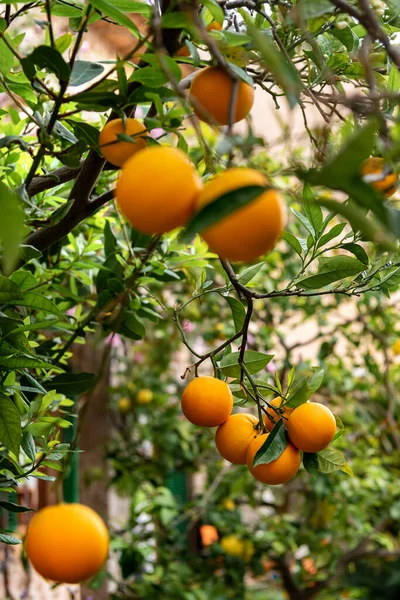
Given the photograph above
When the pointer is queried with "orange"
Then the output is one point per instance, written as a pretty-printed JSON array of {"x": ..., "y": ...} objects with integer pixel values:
[
  {"x": 278, "y": 471},
  {"x": 157, "y": 189},
  {"x": 375, "y": 165},
  {"x": 251, "y": 231},
  {"x": 210, "y": 95},
  {"x": 124, "y": 405},
  {"x": 285, "y": 413},
  {"x": 311, "y": 427},
  {"x": 208, "y": 535},
  {"x": 396, "y": 347},
  {"x": 67, "y": 543},
  {"x": 214, "y": 25},
  {"x": 183, "y": 51},
  {"x": 144, "y": 396},
  {"x": 207, "y": 401},
  {"x": 234, "y": 436},
  {"x": 118, "y": 153}
]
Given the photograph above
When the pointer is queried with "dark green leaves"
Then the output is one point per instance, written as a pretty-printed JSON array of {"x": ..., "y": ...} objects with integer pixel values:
[
  {"x": 332, "y": 269},
  {"x": 273, "y": 446},
  {"x": 310, "y": 462},
  {"x": 238, "y": 312},
  {"x": 8, "y": 290},
  {"x": 71, "y": 384},
  {"x": 84, "y": 71},
  {"x": 12, "y": 229},
  {"x": 109, "y": 9},
  {"x": 305, "y": 387},
  {"x": 10, "y": 425},
  {"x": 221, "y": 208},
  {"x": 46, "y": 58},
  {"x": 12, "y": 507},
  {"x": 254, "y": 361},
  {"x": 310, "y": 9}
]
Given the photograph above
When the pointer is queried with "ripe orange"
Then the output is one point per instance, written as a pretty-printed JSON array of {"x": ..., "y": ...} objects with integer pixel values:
[
  {"x": 144, "y": 396},
  {"x": 311, "y": 427},
  {"x": 118, "y": 153},
  {"x": 278, "y": 471},
  {"x": 157, "y": 189},
  {"x": 234, "y": 436},
  {"x": 210, "y": 95},
  {"x": 67, "y": 543},
  {"x": 251, "y": 231},
  {"x": 284, "y": 412},
  {"x": 207, "y": 401},
  {"x": 214, "y": 25},
  {"x": 375, "y": 165},
  {"x": 183, "y": 51},
  {"x": 208, "y": 534}
]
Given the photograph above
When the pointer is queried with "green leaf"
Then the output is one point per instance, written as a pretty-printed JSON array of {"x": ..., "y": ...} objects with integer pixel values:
[
  {"x": 6, "y": 57},
  {"x": 130, "y": 6},
  {"x": 71, "y": 384},
  {"x": 273, "y": 446},
  {"x": 215, "y": 10},
  {"x": 84, "y": 71},
  {"x": 39, "y": 302},
  {"x": 111, "y": 10},
  {"x": 86, "y": 133},
  {"x": 305, "y": 387},
  {"x": 254, "y": 361},
  {"x": 312, "y": 210},
  {"x": 331, "y": 269},
  {"x": 303, "y": 219},
  {"x": 284, "y": 72},
  {"x": 331, "y": 234},
  {"x": 221, "y": 208},
  {"x": 152, "y": 77},
  {"x": 238, "y": 312},
  {"x": 293, "y": 242},
  {"x": 248, "y": 274},
  {"x": 310, "y": 462},
  {"x": 8, "y": 290},
  {"x": 175, "y": 20},
  {"x": 48, "y": 58},
  {"x": 28, "y": 445},
  {"x": 12, "y": 507},
  {"x": 10, "y": 424},
  {"x": 358, "y": 252},
  {"x": 12, "y": 228},
  {"x": 9, "y": 539},
  {"x": 330, "y": 460},
  {"x": 310, "y": 9},
  {"x": 24, "y": 279},
  {"x": 23, "y": 362}
]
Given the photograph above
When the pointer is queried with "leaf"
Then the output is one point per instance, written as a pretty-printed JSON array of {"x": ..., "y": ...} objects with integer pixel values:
[
  {"x": 238, "y": 312},
  {"x": 86, "y": 133},
  {"x": 273, "y": 446},
  {"x": 12, "y": 507},
  {"x": 84, "y": 71},
  {"x": 9, "y": 539},
  {"x": 28, "y": 445},
  {"x": 284, "y": 72},
  {"x": 39, "y": 302},
  {"x": 312, "y": 210},
  {"x": 248, "y": 274},
  {"x": 24, "y": 279},
  {"x": 215, "y": 10},
  {"x": 305, "y": 387},
  {"x": 12, "y": 228},
  {"x": 346, "y": 468},
  {"x": 6, "y": 56},
  {"x": 10, "y": 424},
  {"x": 23, "y": 362},
  {"x": 116, "y": 14},
  {"x": 331, "y": 234},
  {"x": 331, "y": 269},
  {"x": 358, "y": 252},
  {"x": 293, "y": 242},
  {"x": 310, "y": 462},
  {"x": 221, "y": 208},
  {"x": 254, "y": 361},
  {"x": 330, "y": 460},
  {"x": 152, "y": 77},
  {"x": 310, "y": 9},
  {"x": 71, "y": 384},
  {"x": 303, "y": 219},
  {"x": 8, "y": 290},
  {"x": 48, "y": 58}
]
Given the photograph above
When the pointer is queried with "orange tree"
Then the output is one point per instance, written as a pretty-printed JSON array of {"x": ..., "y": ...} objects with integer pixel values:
[{"x": 72, "y": 264}]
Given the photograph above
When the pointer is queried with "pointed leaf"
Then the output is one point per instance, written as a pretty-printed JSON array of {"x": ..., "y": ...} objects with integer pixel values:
[
  {"x": 273, "y": 446},
  {"x": 238, "y": 312},
  {"x": 310, "y": 462},
  {"x": 10, "y": 424},
  {"x": 254, "y": 361}
]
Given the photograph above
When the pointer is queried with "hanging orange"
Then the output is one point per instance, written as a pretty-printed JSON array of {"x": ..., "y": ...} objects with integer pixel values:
[
  {"x": 234, "y": 436},
  {"x": 278, "y": 471},
  {"x": 207, "y": 401}
]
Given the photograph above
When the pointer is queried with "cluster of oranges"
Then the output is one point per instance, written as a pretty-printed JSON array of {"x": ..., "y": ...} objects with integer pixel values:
[
  {"x": 208, "y": 402},
  {"x": 158, "y": 188}
]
